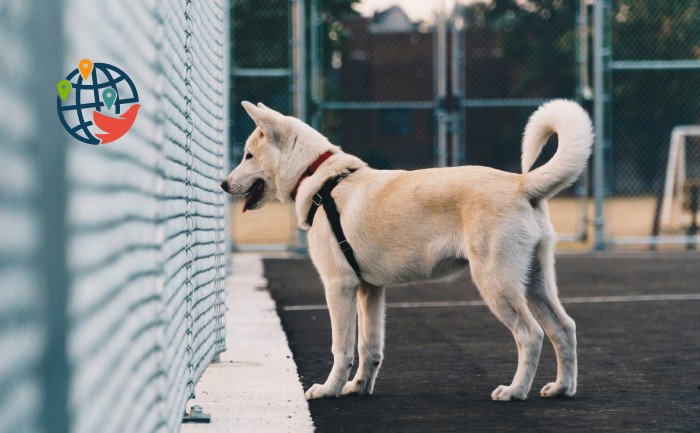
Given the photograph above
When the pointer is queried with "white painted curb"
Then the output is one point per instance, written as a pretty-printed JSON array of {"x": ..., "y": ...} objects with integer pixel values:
[{"x": 255, "y": 387}]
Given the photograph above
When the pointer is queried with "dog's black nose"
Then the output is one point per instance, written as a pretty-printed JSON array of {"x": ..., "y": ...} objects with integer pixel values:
[{"x": 224, "y": 186}]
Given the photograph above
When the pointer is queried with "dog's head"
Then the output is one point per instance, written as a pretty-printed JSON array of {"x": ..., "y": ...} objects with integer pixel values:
[{"x": 273, "y": 158}]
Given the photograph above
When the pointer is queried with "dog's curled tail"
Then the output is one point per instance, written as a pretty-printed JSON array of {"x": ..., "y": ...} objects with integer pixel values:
[{"x": 574, "y": 139}]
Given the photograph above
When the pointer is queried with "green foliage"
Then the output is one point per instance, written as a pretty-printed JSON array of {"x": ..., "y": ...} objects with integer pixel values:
[
  {"x": 537, "y": 45},
  {"x": 337, "y": 8},
  {"x": 652, "y": 29}
]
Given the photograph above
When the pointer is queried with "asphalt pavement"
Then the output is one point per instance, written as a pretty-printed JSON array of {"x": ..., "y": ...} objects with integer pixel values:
[{"x": 638, "y": 323}]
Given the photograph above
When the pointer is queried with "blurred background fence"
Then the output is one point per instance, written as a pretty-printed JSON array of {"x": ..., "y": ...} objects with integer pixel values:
[
  {"x": 652, "y": 87},
  {"x": 112, "y": 258},
  {"x": 408, "y": 85}
]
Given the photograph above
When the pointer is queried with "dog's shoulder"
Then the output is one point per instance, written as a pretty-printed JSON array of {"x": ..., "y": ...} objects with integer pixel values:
[{"x": 339, "y": 163}]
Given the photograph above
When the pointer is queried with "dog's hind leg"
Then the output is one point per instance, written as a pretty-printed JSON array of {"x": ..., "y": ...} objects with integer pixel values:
[
  {"x": 550, "y": 314},
  {"x": 370, "y": 308},
  {"x": 340, "y": 297},
  {"x": 500, "y": 282}
]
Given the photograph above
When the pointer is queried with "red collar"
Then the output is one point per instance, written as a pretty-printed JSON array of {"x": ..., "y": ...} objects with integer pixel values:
[{"x": 311, "y": 170}]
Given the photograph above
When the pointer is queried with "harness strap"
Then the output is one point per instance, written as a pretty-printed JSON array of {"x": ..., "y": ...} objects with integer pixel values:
[{"x": 323, "y": 198}]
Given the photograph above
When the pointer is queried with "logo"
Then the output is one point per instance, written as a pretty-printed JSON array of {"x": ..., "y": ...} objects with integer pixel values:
[{"x": 97, "y": 103}]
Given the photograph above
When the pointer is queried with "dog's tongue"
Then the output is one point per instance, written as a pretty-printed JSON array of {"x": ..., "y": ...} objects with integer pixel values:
[{"x": 245, "y": 203}]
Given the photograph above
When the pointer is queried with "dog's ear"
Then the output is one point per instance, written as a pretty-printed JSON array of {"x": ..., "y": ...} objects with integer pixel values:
[
  {"x": 267, "y": 120},
  {"x": 265, "y": 107}
]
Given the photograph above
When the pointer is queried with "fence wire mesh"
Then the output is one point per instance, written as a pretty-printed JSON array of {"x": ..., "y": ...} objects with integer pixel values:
[
  {"x": 456, "y": 86},
  {"x": 148, "y": 302},
  {"x": 453, "y": 88},
  {"x": 143, "y": 232},
  {"x": 516, "y": 56},
  {"x": 374, "y": 89},
  {"x": 261, "y": 61},
  {"x": 655, "y": 73},
  {"x": 261, "y": 71}
]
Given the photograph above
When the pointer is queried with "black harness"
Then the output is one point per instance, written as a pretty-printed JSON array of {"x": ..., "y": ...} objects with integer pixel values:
[{"x": 323, "y": 198}]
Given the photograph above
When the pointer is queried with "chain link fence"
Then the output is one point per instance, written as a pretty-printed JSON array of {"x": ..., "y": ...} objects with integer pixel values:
[
  {"x": 453, "y": 88},
  {"x": 373, "y": 84},
  {"x": 261, "y": 71},
  {"x": 509, "y": 58},
  {"x": 456, "y": 86},
  {"x": 654, "y": 91},
  {"x": 113, "y": 257}
]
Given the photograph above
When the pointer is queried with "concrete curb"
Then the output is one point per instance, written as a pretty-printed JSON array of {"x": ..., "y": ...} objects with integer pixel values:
[{"x": 255, "y": 387}]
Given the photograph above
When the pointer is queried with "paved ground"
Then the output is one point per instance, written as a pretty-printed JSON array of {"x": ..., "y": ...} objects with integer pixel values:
[
  {"x": 254, "y": 387},
  {"x": 639, "y": 359}
]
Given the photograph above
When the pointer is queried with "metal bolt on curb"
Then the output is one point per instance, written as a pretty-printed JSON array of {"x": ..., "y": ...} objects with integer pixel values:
[{"x": 196, "y": 415}]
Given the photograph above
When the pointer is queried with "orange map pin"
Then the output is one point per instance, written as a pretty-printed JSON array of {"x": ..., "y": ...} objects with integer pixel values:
[{"x": 85, "y": 68}]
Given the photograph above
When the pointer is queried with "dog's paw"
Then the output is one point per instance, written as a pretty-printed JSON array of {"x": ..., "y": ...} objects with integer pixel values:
[
  {"x": 321, "y": 391},
  {"x": 508, "y": 393},
  {"x": 557, "y": 389},
  {"x": 355, "y": 387}
]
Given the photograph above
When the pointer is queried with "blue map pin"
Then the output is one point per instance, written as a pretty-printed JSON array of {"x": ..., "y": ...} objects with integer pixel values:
[{"x": 109, "y": 95}]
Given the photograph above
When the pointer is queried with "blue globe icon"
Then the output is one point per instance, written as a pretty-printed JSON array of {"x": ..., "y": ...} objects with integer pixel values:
[{"x": 76, "y": 112}]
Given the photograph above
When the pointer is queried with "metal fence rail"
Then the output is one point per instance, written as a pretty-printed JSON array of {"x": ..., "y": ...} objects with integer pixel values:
[{"x": 139, "y": 302}]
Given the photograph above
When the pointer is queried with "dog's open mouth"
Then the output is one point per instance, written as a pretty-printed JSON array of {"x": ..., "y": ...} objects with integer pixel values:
[{"x": 254, "y": 194}]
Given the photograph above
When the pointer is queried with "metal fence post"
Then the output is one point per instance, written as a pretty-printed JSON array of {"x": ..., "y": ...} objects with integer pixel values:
[
  {"x": 300, "y": 77},
  {"x": 457, "y": 71},
  {"x": 602, "y": 52},
  {"x": 584, "y": 95},
  {"x": 441, "y": 87},
  {"x": 299, "y": 58},
  {"x": 315, "y": 83}
]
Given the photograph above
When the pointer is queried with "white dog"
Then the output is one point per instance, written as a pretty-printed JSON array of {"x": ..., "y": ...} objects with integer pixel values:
[{"x": 412, "y": 225}]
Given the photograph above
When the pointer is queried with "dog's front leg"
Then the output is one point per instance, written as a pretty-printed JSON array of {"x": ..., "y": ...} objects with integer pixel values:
[
  {"x": 370, "y": 347},
  {"x": 340, "y": 297}
]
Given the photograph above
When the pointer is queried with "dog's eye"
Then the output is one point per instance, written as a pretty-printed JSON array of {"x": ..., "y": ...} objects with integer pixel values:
[{"x": 248, "y": 155}]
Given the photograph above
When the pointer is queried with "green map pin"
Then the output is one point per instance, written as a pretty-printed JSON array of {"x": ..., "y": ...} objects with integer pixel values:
[
  {"x": 64, "y": 87},
  {"x": 109, "y": 95}
]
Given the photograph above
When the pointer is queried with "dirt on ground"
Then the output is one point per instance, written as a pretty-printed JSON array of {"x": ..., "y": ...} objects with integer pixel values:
[{"x": 624, "y": 217}]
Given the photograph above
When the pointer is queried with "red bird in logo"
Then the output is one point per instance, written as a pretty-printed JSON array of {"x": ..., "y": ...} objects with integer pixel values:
[{"x": 115, "y": 127}]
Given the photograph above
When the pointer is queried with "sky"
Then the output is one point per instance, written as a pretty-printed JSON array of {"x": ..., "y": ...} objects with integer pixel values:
[{"x": 417, "y": 10}]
